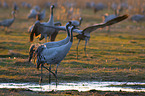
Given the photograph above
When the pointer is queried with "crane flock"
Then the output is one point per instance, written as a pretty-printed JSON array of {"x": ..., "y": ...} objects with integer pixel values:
[
  {"x": 55, "y": 52},
  {"x": 51, "y": 53}
]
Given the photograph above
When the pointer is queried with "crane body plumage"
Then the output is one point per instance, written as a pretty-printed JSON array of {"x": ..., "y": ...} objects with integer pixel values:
[
  {"x": 56, "y": 54},
  {"x": 77, "y": 23},
  {"x": 32, "y": 14},
  {"x": 8, "y": 22},
  {"x": 137, "y": 18}
]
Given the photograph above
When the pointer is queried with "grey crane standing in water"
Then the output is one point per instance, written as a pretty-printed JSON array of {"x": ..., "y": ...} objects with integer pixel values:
[
  {"x": 85, "y": 33},
  {"x": 52, "y": 55},
  {"x": 44, "y": 31},
  {"x": 49, "y": 45},
  {"x": 8, "y": 22}
]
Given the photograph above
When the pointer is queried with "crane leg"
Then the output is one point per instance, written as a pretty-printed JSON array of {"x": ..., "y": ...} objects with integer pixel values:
[
  {"x": 108, "y": 30},
  {"x": 56, "y": 73},
  {"x": 77, "y": 47},
  {"x": 85, "y": 46},
  {"x": 53, "y": 36},
  {"x": 41, "y": 77},
  {"x": 49, "y": 74},
  {"x": 6, "y": 30},
  {"x": 45, "y": 36},
  {"x": 50, "y": 71}
]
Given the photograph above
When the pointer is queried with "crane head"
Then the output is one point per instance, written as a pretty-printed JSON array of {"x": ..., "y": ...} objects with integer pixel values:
[
  {"x": 13, "y": 12},
  {"x": 52, "y": 6},
  {"x": 69, "y": 23},
  {"x": 80, "y": 18}
]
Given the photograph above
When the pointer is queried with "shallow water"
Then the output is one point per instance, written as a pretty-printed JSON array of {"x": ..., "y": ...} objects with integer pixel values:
[{"x": 80, "y": 86}]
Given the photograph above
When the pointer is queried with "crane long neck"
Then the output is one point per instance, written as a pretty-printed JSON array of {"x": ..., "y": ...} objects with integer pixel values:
[
  {"x": 80, "y": 22},
  {"x": 68, "y": 33},
  {"x": 67, "y": 29},
  {"x": 71, "y": 39},
  {"x": 116, "y": 12},
  {"x": 14, "y": 16},
  {"x": 51, "y": 15}
]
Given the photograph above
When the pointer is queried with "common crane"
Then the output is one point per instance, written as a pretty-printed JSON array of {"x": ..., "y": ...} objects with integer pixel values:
[
  {"x": 85, "y": 34},
  {"x": 137, "y": 18},
  {"x": 44, "y": 31},
  {"x": 8, "y": 22},
  {"x": 32, "y": 14},
  {"x": 109, "y": 17},
  {"x": 5, "y": 5},
  {"x": 77, "y": 23},
  {"x": 42, "y": 14},
  {"x": 38, "y": 28},
  {"x": 98, "y": 7}
]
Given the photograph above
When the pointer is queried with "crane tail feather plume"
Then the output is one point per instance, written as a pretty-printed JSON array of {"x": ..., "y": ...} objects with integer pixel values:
[
  {"x": 38, "y": 55},
  {"x": 31, "y": 51}
]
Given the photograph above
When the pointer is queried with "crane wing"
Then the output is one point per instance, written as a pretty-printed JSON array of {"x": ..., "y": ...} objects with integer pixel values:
[
  {"x": 90, "y": 29},
  {"x": 36, "y": 30}
]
